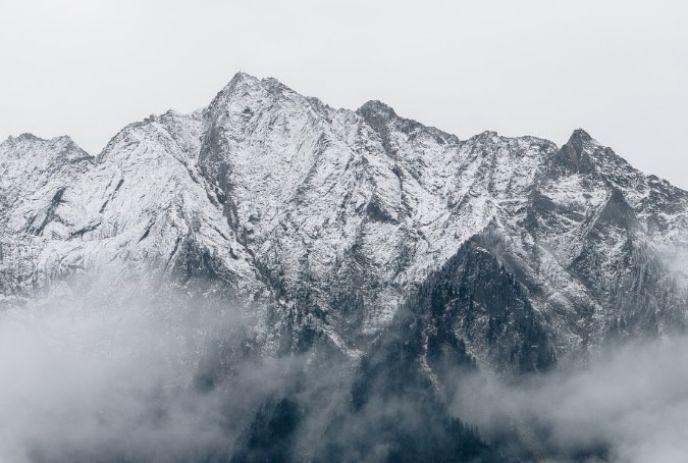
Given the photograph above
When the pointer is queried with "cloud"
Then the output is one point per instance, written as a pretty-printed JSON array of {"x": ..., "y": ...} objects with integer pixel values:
[
  {"x": 147, "y": 377},
  {"x": 628, "y": 404},
  {"x": 83, "y": 378},
  {"x": 171, "y": 379}
]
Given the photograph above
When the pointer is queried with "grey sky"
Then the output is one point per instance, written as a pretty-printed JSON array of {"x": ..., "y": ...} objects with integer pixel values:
[{"x": 542, "y": 67}]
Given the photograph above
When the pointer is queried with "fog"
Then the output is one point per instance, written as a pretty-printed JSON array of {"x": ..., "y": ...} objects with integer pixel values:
[
  {"x": 168, "y": 379},
  {"x": 90, "y": 380},
  {"x": 630, "y": 404},
  {"x": 155, "y": 376}
]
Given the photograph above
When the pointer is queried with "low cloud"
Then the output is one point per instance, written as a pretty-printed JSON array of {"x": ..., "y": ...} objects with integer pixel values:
[
  {"x": 96, "y": 380},
  {"x": 629, "y": 404},
  {"x": 172, "y": 380}
]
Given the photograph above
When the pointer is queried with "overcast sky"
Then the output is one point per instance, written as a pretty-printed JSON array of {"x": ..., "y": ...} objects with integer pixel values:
[{"x": 619, "y": 69}]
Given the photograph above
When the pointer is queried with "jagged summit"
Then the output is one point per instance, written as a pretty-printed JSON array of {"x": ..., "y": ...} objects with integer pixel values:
[
  {"x": 486, "y": 135},
  {"x": 243, "y": 76},
  {"x": 247, "y": 83},
  {"x": 376, "y": 109},
  {"x": 580, "y": 141},
  {"x": 26, "y": 136},
  {"x": 240, "y": 80},
  {"x": 31, "y": 146},
  {"x": 580, "y": 136}
]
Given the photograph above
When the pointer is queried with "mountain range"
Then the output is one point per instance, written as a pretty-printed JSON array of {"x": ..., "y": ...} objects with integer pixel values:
[{"x": 357, "y": 235}]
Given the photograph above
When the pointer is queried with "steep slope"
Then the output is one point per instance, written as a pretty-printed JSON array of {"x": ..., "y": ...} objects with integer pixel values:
[
  {"x": 140, "y": 208},
  {"x": 35, "y": 180},
  {"x": 590, "y": 213},
  {"x": 349, "y": 210}
]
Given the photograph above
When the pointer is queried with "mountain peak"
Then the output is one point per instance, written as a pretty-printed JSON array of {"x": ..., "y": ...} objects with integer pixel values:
[
  {"x": 65, "y": 139},
  {"x": 241, "y": 81},
  {"x": 31, "y": 138},
  {"x": 27, "y": 136},
  {"x": 574, "y": 155},
  {"x": 244, "y": 86},
  {"x": 580, "y": 137},
  {"x": 376, "y": 109},
  {"x": 243, "y": 77}
]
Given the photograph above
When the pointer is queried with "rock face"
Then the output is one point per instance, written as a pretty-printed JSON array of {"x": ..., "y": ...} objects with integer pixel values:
[{"x": 521, "y": 252}]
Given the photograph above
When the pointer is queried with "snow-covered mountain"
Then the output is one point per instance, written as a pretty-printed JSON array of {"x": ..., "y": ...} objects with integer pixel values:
[{"x": 334, "y": 221}]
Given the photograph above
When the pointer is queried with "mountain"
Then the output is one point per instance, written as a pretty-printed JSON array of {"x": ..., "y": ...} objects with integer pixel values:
[
  {"x": 340, "y": 229},
  {"x": 334, "y": 217}
]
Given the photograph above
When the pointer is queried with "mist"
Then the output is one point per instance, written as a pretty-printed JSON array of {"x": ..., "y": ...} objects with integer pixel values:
[
  {"x": 132, "y": 374},
  {"x": 629, "y": 404},
  {"x": 158, "y": 378},
  {"x": 87, "y": 379}
]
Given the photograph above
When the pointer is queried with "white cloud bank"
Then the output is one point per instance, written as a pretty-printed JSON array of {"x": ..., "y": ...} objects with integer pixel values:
[{"x": 632, "y": 400}]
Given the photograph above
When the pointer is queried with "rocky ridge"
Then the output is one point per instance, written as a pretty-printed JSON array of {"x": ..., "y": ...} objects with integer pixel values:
[{"x": 329, "y": 222}]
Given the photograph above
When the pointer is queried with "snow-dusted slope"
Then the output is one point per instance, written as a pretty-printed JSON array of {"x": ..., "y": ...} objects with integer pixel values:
[
  {"x": 141, "y": 206},
  {"x": 333, "y": 218}
]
